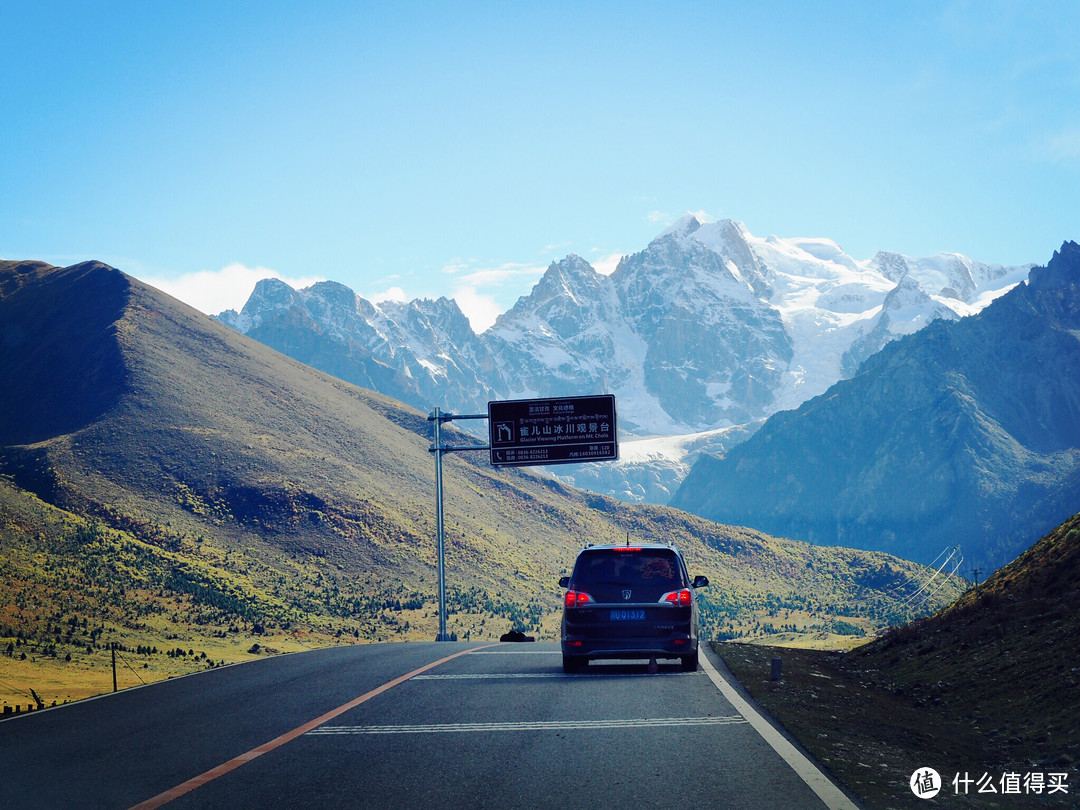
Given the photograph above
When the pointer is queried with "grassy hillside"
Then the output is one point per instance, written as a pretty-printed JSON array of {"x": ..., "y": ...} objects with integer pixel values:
[
  {"x": 167, "y": 483},
  {"x": 987, "y": 685}
]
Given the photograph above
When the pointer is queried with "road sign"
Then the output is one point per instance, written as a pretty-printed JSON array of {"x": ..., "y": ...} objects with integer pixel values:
[{"x": 560, "y": 430}]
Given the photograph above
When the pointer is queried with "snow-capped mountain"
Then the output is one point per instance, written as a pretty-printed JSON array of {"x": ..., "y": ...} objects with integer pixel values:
[
  {"x": 423, "y": 352},
  {"x": 966, "y": 432},
  {"x": 708, "y": 328}
]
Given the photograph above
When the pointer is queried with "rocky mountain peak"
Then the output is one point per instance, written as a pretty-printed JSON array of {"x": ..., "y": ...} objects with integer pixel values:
[
  {"x": 334, "y": 294},
  {"x": 571, "y": 298},
  {"x": 269, "y": 296},
  {"x": 567, "y": 276},
  {"x": 442, "y": 316},
  {"x": 907, "y": 292},
  {"x": 707, "y": 327},
  {"x": 682, "y": 227},
  {"x": 891, "y": 265},
  {"x": 1063, "y": 269},
  {"x": 272, "y": 293},
  {"x": 335, "y": 304}
]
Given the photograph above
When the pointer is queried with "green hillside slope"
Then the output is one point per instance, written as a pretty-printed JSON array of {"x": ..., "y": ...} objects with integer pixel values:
[{"x": 174, "y": 483}]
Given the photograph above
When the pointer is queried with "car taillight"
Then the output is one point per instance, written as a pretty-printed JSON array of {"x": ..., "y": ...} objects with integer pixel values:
[
  {"x": 577, "y": 598},
  {"x": 681, "y": 598}
]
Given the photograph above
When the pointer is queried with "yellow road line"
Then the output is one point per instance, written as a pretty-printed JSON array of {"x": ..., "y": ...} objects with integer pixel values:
[{"x": 277, "y": 742}]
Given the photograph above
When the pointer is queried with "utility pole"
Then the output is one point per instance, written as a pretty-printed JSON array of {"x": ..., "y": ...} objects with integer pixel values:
[
  {"x": 113, "y": 647},
  {"x": 975, "y": 572}
]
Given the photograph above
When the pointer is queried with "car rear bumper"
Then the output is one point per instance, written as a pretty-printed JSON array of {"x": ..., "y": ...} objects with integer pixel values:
[
  {"x": 628, "y": 649},
  {"x": 666, "y": 633}
]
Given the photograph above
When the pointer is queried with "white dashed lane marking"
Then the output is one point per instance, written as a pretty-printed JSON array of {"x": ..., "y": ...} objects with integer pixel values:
[{"x": 539, "y": 725}]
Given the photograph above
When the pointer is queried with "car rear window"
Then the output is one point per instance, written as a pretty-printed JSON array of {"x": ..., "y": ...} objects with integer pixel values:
[{"x": 647, "y": 568}]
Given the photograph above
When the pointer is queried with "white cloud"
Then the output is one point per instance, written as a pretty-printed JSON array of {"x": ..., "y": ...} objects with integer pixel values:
[
  {"x": 481, "y": 310},
  {"x": 1064, "y": 147},
  {"x": 481, "y": 292},
  {"x": 393, "y": 294},
  {"x": 665, "y": 219},
  {"x": 457, "y": 266},
  {"x": 230, "y": 287},
  {"x": 506, "y": 274},
  {"x": 605, "y": 265}
]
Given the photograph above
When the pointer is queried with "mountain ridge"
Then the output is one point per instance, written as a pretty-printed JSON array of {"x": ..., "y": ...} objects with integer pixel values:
[
  {"x": 967, "y": 432},
  {"x": 707, "y": 327}
]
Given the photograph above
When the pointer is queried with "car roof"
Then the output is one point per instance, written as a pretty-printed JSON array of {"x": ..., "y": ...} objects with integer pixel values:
[{"x": 625, "y": 546}]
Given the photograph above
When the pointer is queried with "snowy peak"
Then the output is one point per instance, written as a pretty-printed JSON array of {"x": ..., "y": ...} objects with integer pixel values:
[
  {"x": 707, "y": 327},
  {"x": 681, "y": 228},
  {"x": 906, "y": 309},
  {"x": 907, "y": 293},
  {"x": 679, "y": 270},
  {"x": 950, "y": 276},
  {"x": 729, "y": 239},
  {"x": 715, "y": 348},
  {"x": 573, "y": 281},
  {"x": 891, "y": 265},
  {"x": 570, "y": 299},
  {"x": 269, "y": 296}
]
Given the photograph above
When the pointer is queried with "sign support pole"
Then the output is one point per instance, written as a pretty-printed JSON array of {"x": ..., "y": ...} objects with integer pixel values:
[
  {"x": 438, "y": 417},
  {"x": 559, "y": 430},
  {"x": 439, "y": 529}
]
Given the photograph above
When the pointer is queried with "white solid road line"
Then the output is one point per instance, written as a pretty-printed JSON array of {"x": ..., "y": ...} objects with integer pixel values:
[{"x": 824, "y": 787}]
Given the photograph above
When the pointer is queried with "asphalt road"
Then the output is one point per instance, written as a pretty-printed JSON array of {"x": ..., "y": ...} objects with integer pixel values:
[{"x": 379, "y": 726}]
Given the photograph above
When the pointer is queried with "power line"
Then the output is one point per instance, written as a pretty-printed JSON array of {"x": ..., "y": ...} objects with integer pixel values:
[
  {"x": 126, "y": 664},
  {"x": 14, "y": 689},
  {"x": 952, "y": 555}
]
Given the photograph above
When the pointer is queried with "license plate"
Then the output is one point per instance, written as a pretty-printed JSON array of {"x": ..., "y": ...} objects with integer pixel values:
[{"x": 627, "y": 615}]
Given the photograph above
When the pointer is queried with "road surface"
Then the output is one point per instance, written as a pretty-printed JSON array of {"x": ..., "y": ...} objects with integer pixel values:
[{"x": 411, "y": 725}]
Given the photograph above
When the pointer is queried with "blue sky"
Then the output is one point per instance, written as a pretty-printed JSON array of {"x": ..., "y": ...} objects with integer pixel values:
[{"x": 426, "y": 149}]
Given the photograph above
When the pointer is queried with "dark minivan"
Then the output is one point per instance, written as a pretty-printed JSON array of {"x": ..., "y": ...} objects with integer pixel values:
[{"x": 630, "y": 602}]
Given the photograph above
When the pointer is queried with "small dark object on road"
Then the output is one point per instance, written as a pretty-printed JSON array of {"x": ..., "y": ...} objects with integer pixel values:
[{"x": 516, "y": 635}]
